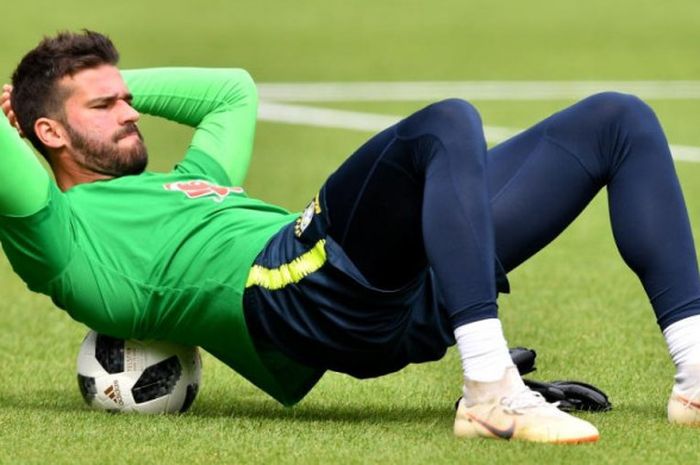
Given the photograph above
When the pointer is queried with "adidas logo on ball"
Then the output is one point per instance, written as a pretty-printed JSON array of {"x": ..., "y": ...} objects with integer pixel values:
[{"x": 113, "y": 393}]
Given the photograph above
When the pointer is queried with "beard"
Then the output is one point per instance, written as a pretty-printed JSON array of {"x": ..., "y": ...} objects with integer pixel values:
[{"x": 109, "y": 158}]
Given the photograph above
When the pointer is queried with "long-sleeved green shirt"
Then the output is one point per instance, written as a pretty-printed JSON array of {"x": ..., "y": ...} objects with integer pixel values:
[{"x": 157, "y": 255}]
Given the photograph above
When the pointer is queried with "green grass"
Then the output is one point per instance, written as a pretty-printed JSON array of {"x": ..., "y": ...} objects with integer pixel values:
[{"x": 576, "y": 303}]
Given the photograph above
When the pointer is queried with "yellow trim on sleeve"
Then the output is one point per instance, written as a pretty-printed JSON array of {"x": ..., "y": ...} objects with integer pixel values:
[{"x": 288, "y": 273}]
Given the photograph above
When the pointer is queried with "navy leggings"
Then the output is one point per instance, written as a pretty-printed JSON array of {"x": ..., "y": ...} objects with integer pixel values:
[{"x": 426, "y": 192}]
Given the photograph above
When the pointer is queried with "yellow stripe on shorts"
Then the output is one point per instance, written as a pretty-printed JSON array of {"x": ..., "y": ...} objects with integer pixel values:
[{"x": 288, "y": 273}]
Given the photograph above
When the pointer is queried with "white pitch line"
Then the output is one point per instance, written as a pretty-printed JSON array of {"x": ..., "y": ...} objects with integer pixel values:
[
  {"x": 372, "y": 122},
  {"x": 472, "y": 90},
  {"x": 353, "y": 120},
  {"x": 685, "y": 153}
]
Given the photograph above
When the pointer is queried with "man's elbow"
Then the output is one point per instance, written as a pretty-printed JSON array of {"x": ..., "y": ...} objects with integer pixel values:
[{"x": 240, "y": 88}]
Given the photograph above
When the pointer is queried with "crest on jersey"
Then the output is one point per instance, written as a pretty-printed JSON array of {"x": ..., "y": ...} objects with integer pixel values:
[
  {"x": 304, "y": 220},
  {"x": 198, "y": 189}
]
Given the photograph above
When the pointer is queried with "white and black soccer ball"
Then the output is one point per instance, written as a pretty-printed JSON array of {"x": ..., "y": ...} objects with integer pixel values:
[{"x": 137, "y": 376}]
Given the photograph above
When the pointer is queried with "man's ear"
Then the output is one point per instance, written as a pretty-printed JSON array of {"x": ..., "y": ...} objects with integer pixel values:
[{"x": 50, "y": 132}]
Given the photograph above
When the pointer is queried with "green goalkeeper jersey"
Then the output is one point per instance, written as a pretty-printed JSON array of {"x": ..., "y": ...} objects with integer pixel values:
[{"x": 158, "y": 255}]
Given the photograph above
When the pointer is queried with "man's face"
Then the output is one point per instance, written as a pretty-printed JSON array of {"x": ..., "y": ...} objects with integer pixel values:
[{"x": 101, "y": 123}]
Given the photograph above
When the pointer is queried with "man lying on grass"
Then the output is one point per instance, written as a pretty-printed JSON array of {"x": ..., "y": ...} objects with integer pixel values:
[{"x": 400, "y": 255}]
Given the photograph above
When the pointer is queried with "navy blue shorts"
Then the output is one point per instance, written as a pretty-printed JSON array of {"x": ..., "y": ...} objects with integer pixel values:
[{"x": 333, "y": 318}]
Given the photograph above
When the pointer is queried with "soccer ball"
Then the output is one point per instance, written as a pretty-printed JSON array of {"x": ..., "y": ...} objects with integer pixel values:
[{"x": 137, "y": 376}]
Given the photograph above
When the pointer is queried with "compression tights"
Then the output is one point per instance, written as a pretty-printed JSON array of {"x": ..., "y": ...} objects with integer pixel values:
[{"x": 426, "y": 191}]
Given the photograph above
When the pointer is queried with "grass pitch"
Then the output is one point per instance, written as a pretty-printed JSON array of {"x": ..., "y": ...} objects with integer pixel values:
[{"x": 576, "y": 302}]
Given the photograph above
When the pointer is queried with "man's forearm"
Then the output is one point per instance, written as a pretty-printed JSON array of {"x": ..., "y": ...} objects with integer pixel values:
[
  {"x": 220, "y": 103},
  {"x": 23, "y": 181}
]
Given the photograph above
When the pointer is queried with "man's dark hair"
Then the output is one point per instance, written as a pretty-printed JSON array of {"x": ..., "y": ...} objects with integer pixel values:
[{"x": 36, "y": 92}]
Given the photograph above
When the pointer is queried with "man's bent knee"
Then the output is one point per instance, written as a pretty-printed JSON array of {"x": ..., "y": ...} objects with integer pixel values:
[
  {"x": 618, "y": 108},
  {"x": 444, "y": 118},
  {"x": 602, "y": 129}
]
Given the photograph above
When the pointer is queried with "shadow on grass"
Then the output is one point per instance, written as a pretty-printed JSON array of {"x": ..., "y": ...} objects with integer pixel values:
[
  {"x": 310, "y": 412},
  {"x": 59, "y": 401},
  {"x": 259, "y": 407}
]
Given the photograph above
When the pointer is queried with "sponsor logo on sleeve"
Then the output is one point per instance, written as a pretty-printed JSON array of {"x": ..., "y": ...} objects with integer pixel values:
[{"x": 198, "y": 189}]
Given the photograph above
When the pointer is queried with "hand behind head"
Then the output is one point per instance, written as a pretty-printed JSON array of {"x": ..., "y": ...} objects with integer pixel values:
[{"x": 6, "y": 105}]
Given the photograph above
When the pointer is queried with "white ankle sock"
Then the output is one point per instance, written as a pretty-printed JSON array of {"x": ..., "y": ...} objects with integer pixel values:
[
  {"x": 484, "y": 350},
  {"x": 683, "y": 339}
]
